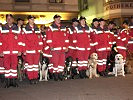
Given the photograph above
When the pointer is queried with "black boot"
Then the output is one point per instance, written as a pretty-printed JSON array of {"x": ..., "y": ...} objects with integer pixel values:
[
  {"x": 84, "y": 74},
  {"x": 81, "y": 74},
  {"x": 55, "y": 75},
  {"x": 7, "y": 83},
  {"x": 14, "y": 82},
  {"x": 35, "y": 81},
  {"x": 2, "y": 77},
  {"x": 31, "y": 81},
  {"x": 60, "y": 76},
  {"x": 101, "y": 73}
]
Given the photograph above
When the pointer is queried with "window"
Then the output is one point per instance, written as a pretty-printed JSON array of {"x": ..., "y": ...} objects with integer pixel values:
[
  {"x": 55, "y": 1},
  {"x": 22, "y": 0},
  {"x": 108, "y": 1},
  {"x": 83, "y": 4}
]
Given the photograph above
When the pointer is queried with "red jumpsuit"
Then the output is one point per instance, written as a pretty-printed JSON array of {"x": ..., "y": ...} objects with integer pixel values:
[
  {"x": 33, "y": 46},
  {"x": 102, "y": 46},
  {"x": 47, "y": 53},
  {"x": 57, "y": 39},
  {"x": 1, "y": 58},
  {"x": 122, "y": 42},
  {"x": 72, "y": 47},
  {"x": 130, "y": 41},
  {"x": 83, "y": 47},
  {"x": 11, "y": 45}
]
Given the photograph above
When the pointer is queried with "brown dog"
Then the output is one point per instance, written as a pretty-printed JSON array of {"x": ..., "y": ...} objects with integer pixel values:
[{"x": 92, "y": 66}]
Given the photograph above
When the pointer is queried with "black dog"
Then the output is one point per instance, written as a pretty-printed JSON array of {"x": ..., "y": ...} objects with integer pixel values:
[
  {"x": 20, "y": 68},
  {"x": 69, "y": 71},
  {"x": 111, "y": 59}
]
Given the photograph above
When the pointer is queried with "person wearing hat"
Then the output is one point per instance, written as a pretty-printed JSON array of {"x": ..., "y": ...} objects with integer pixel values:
[
  {"x": 20, "y": 22},
  {"x": 2, "y": 69},
  {"x": 95, "y": 23},
  {"x": 82, "y": 44},
  {"x": 111, "y": 54},
  {"x": 122, "y": 40},
  {"x": 33, "y": 46},
  {"x": 130, "y": 42},
  {"x": 11, "y": 48},
  {"x": 72, "y": 47},
  {"x": 57, "y": 40},
  {"x": 102, "y": 46},
  {"x": 113, "y": 36}
]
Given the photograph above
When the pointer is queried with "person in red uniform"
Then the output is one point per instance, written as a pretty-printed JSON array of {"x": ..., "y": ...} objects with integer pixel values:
[
  {"x": 1, "y": 59},
  {"x": 83, "y": 47},
  {"x": 122, "y": 40},
  {"x": 130, "y": 41},
  {"x": 57, "y": 40},
  {"x": 95, "y": 25},
  {"x": 11, "y": 48},
  {"x": 112, "y": 42},
  {"x": 72, "y": 47},
  {"x": 101, "y": 40},
  {"x": 33, "y": 47}
]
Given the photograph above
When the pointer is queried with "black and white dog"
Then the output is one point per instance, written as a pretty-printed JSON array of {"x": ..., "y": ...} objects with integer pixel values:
[
  {"x": 20, "y": 68},
  {"x": 69, "y": 71},
  {"x": 43, "y": 64}
]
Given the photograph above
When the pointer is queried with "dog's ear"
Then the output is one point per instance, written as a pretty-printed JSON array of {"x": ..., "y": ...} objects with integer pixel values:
[{"x": 121, "y": 56}]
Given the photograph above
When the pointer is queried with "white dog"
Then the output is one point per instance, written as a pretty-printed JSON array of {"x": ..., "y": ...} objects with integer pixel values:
[
  {"x": 43, "y": 70},
  {"x": 119, "y": 66},
  {"x": 92, "y": 66}
]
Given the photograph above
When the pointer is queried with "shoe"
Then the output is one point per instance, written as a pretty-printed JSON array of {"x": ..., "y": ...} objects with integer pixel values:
[
  {"x": 81, "y": 75},
  {"x": 2, "y": 77},
  {"x": 35, "y": 81},
  {"x": 7, "y": 83},
  {"x": 55, "y": 75},
  {"x": 60, "y": 76},
  {"x": 14, "y": 82},
  {"x": 84, "y": 74},
  {"x": 102, "y": 73},
  {"x": 31, "y": 81}
]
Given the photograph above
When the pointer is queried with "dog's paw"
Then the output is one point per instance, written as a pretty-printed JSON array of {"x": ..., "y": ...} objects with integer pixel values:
[
  {"x": 123, "y": 75},
  {"x": 90, "y": 77},
  {"x": 41, "y": 80},
  {"x": 97, "y": 76},
  {"x": 115, "y": 75},
  {"x": 45, "y": 80}
]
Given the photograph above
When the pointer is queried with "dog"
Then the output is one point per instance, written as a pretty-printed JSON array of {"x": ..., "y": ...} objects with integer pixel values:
[
  {"x": 20, "y": 68},
  {"x": 43, "y": 65},
  {"x": 68, "y": 68},
  {"x": 70, "y": 72},
  {"x": 119, "y": 66},
  {"x": 92, "y": 66}
]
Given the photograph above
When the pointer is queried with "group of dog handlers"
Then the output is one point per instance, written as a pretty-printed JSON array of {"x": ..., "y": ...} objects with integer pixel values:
[{"x": 77, "y": 51}]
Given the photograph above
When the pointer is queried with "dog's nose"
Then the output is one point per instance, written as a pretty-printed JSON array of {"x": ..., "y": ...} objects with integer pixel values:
[{"x": 118, "y": 59}]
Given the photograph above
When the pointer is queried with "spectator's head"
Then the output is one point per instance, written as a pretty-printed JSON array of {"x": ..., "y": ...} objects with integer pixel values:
[
  {"x": 20, "y": 21},
  {"x": 43, "y": 28},
  {"x": 125, "y": 24},
  {"x": 102, "y": 22},
  {"x": 31, "y": 19},
  {"x": 95, "y": 22},
  {"x": 0, "y": 24},
  {"x": 57, "y": 19},
  {"x": 111, "y": 25},
  {"x": 9, "y": 19},
  {"x": 131, "y": 19},
  {"x": 75, "y": 22},
  {"x": 82, "y": 20}
]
